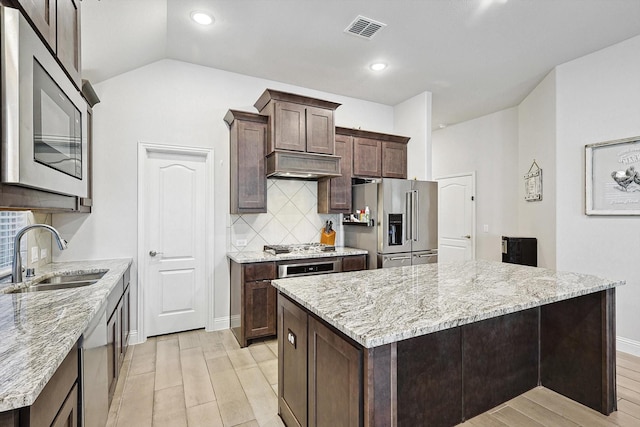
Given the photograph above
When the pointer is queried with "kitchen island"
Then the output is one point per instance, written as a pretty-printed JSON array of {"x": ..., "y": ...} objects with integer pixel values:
[{"x": 440, "y": 343}]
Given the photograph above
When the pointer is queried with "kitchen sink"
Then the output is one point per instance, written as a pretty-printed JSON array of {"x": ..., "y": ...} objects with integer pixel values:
[
  {"x": 71, "y": 278},
  {"x": 63, "y": 282}
]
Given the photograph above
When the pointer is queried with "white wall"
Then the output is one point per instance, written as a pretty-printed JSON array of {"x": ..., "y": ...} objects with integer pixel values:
[
  {"x": 598, "y": 99},
  {"x": 489, "y": 146},
  {"x": 413, "y": 118},
  {"x": 537, "y": 141},
  {"x": 177, "y": 103}
]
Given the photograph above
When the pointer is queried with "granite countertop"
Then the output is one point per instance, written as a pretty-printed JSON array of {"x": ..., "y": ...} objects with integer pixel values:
[
  {"x": 255, "y": 256},
  {"x": 38, "y": 329},
  {"x": 377, "y": 307}
]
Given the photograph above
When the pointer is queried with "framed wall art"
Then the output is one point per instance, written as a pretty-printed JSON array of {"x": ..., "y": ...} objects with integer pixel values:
[
  {"x": 533, "y": 183},
  {"x": 612, "y": 178}
]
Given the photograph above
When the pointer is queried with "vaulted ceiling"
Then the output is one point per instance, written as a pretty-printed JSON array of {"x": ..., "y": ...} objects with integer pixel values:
[{"x": 475, "y": 56}]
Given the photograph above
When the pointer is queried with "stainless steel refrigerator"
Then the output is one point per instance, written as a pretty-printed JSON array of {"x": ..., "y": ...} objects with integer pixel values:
[{"x": 404, "y": 230}]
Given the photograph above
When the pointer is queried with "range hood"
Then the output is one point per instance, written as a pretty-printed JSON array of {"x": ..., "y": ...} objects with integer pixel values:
[{"x": 301, "y": 165}]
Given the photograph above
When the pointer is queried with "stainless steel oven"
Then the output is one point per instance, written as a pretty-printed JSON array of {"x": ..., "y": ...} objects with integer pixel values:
[{"x": 44, "y": 117}]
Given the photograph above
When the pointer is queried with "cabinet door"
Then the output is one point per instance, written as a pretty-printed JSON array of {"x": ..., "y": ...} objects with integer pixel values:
[
  {"x": 290, "y": 126},
  {"x": 260, "y": 306},
  {"x": 248, "y": 179},
  {"x": 320, "y": 131},
  {"x": 113, "y": 356},
  {"x": 367, "y": 158},
  {"x": 335, "y": 376},
  {"x": 354, "y": 263},
  {"x": 68, "y": 33},
  {"x": 292, "y": 363},
  {"x": 43, "y": 15},
  {"x": 394, "y": 160},
  {"x": 68, "y": 414},
  {"x": 126, "y": 320},
  {"x": 340, "y": 196}
]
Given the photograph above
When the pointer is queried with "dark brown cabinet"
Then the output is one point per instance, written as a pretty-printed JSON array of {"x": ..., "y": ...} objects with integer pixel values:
[
  {"x": 367, "y": 157},
  {"x": 298, "y": 123},
  {"x": 292, "y": 353},
  {"x": 68, "y": 38},
  {"x": 58, "y": 22},
  {"x": 394, "y": 160},
  {"x": 248, "y": 182},
  {"x": 378, "y": 155},
  {"x": 118, "y": 329},
  {"x": 319, "y": 371},
  {"x": 334, "y": 375},
  {"x": 354, "y": 263},
  {"x": 334, "y": 194},
  {"x": 253, "y": 301},
  {"x": 57, "y": 403}
]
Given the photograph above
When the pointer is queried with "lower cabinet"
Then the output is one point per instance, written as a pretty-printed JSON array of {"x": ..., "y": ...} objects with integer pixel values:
[
  {"x": 319, "y": 372},
  {"x": 57, "y": 404},
  {"x": 118, "y": 330},
  {"x": 253, "y": 299}
]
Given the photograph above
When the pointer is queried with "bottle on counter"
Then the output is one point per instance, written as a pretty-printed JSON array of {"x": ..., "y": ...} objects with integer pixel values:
[{"x": 367, "y": 214}]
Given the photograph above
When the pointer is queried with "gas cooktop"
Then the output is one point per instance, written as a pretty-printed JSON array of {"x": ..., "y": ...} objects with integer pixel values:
[{"x": 299, "y": 248}]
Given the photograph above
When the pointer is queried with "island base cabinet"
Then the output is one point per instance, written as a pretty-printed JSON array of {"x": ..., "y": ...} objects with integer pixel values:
[
  {"x": 335, "y": 372},
  {"x": 292, "y": 353}
]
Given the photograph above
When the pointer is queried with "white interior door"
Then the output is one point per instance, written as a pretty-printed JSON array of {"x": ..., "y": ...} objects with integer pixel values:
[
  {"x": 456, "y": 218},
  {"x": 174, "y": 242}
]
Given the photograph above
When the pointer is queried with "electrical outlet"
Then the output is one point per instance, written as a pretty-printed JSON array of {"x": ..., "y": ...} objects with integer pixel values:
[
  {"x": 486, "y": 228},
  {"x": 44, "y": 253},
  {"x": 241, "y": 243},
  {"x": 34, "y": 254}
]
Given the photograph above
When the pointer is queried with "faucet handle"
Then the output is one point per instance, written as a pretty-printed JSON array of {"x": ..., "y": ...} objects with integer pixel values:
[{"x": 30, "y": 272}]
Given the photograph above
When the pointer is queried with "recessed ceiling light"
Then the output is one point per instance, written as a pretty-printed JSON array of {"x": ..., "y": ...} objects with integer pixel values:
[
  {"x": 202, "y": 18},
  {"x": 378, "y": 66}
]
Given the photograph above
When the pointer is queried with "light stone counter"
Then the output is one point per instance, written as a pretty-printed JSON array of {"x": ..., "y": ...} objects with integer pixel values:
[
  {"x": 377, "y": 307},
  {"x": 249, "y": 257},
  {"x": 38, "y": 329}
]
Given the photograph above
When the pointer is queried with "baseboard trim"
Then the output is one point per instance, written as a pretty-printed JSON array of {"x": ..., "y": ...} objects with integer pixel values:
[
  {"x": 628, "y": 346},
  {"x": 134, "y": 338},
  {"x": 219, "y": 324}
]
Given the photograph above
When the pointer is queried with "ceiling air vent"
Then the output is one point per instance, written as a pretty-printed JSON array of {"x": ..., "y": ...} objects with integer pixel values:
[{"x": 364, "y": 27}]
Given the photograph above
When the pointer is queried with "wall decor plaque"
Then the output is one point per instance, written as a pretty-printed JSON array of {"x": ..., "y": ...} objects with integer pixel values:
[
  {"x": 533, "y": 183},
  {"x": 612, "y": 180}
]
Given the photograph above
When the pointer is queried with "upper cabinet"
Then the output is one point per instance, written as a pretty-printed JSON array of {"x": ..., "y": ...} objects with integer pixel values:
[
  {"x": 334, "y": 195},
  {"x": 298, "y": 123},
  {"x": 367, "y": 158},
  {"x": 58, "y": 22},
  {"x": 248, "y": 136},
  {"x": 378, "y": 155}
]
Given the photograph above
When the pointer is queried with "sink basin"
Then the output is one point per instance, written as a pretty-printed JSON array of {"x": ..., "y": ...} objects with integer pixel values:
[
  {"x": 71, "y": 278},
  {"x": 63, "y": 282}
]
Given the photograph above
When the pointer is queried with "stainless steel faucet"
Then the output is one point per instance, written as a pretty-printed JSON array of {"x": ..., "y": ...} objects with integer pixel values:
[{"x": 16, "y": 268}]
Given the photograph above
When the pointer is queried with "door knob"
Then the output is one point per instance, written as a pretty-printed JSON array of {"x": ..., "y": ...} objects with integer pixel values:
[
  {"x": 154, "y": 253},
  {"x": 468, "y": 236}
]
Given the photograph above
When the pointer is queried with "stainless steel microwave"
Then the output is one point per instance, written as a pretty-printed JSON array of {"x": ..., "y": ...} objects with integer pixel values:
[{"x": 44, "y": 117}]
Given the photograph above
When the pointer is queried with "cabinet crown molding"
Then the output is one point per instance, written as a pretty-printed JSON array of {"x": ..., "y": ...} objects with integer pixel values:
[
  {"x": 276, "y": 95},
  {"x": 372, "y": 135},
  {"x": 233, "y": 115}
]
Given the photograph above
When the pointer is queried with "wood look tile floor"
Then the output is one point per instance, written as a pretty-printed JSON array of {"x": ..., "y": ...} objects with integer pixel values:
[{"x": 199, "y": 378}]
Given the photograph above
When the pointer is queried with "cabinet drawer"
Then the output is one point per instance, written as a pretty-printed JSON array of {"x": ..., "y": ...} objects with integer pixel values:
[{"x": 259, "y": 271}]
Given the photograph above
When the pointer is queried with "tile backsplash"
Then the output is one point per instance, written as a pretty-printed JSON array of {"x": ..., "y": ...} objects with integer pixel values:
[{"x": 291, "y": 218}]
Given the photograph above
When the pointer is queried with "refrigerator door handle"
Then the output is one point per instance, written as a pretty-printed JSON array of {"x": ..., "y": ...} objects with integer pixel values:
[
  {"x": 408, "y": 209},
  {"x": 415, "y": 231},
  {"x": 399, "y": 258}
]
